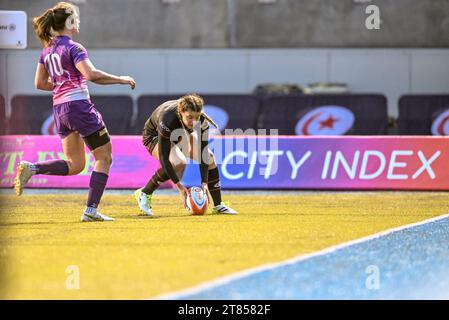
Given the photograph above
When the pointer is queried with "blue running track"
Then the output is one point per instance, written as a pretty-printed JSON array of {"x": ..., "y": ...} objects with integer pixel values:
[{"x": 409, "y": 263}]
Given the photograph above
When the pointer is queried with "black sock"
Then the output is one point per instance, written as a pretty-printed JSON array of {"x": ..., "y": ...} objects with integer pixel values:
[
  {"x": 158, "y": 178},
  {"x": 214, "y": 186}
]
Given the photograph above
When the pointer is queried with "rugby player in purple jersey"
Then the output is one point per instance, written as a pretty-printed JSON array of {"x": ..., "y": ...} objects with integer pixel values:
[{"x": 64, "y": 68}]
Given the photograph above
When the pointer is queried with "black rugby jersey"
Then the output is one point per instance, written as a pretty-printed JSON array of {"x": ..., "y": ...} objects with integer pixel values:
[{"x": 165, "y": 123}]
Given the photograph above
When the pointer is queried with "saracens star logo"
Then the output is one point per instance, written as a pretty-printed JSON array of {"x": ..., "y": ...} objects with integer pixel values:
[
  {"x": 440, "y": 126},
  {"x": 325, "y": 121}
]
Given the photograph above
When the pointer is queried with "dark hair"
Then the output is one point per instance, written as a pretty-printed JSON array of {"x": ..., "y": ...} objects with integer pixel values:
[
  {"x": 53, "y": 19},
  {"x": 194, "y": 102}
]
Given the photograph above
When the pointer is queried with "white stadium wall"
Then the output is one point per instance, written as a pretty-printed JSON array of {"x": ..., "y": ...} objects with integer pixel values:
[{"x": 392, "y": 72}]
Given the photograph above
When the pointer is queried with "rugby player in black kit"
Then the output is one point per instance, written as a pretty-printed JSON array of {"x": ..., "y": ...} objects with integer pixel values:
[{"x": 171, "y": 135}]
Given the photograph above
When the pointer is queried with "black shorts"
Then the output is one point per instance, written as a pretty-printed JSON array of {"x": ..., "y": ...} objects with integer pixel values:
[{"x": 151, "y": 143}]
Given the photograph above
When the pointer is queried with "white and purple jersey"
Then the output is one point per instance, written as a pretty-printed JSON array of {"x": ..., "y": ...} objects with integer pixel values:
[{"x": 59, "y": 59}]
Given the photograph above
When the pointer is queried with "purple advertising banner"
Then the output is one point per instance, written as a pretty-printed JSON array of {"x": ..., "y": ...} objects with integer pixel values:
[
  {"x": 350, "y": 162},
  {"x": 261, "y": 162},
  {"x": 132, "y": 164}
]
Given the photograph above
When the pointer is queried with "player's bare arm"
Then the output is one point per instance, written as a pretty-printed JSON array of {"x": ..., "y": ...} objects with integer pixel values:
[
  {"x": 42, "y": 79},
  {"x": 97, "y": 76}
]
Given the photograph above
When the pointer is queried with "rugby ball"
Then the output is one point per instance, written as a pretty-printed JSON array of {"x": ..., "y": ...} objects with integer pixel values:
[{"x": 197, "y": 201}]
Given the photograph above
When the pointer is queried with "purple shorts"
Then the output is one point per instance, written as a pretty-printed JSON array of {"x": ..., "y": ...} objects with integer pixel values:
[{"x": 77, "y": 116}]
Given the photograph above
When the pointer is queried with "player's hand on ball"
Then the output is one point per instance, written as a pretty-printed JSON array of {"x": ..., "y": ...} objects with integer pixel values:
[{"x": 129, "y": 81}]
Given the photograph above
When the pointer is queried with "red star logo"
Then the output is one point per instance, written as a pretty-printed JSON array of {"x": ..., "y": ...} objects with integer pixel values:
[{"x": 328, "y": 123}]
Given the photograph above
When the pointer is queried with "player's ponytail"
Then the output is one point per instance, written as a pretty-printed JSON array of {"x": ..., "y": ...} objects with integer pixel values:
[
  {"x": 53, "y": 19},
  {"x": 43, "y": 26},
  {"x": 212, "y": 122}
]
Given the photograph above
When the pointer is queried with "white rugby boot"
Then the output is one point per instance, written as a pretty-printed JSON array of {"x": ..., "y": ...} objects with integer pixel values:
[
  {"x": 144, "y": 202},
  {"x": 23, "y": 175},
  {"x": 222, "y": 208},
  {"x": 94, "y": 215}
]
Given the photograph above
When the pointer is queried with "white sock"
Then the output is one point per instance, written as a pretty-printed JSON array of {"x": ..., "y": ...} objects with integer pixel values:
[
  {"x": 33, "y": 169},
  {"x": 90, "y": 210}
]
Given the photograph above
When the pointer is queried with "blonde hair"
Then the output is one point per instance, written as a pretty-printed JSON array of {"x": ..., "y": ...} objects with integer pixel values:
[
  {"x": 53, "y": 19},
  {"x": 194, "y": 102}
]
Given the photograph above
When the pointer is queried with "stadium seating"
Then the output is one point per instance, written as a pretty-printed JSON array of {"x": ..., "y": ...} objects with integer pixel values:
[
  {"x": 29, "y": 114},
  {"x": 2, "y": 116},
  {"x": 116, "y": 111},
  {"x": 294, "y": 114},
  {"x": 32, "y": 114},
  {"x": 417, "y": 113},
  {"x": 228, "y": 111},
  {"x": 288, "y": 114},
  {"x": 146, "y": 104}
]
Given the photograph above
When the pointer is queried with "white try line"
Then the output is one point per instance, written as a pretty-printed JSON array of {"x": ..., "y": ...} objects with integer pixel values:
[{"x": 302, "y": 257}]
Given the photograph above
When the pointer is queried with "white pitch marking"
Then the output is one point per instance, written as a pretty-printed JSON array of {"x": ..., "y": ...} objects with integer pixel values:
[{"x": 244, "y": 273}]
